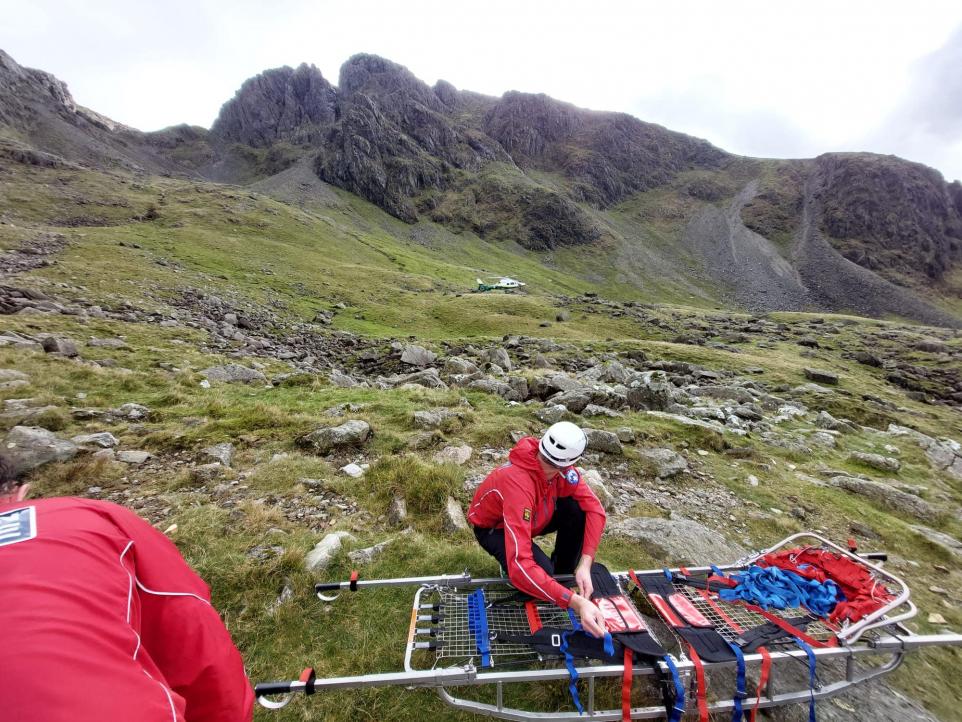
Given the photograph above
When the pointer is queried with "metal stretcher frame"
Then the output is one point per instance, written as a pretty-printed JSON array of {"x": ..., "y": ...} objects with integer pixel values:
[{"x": 878, "y": 636}]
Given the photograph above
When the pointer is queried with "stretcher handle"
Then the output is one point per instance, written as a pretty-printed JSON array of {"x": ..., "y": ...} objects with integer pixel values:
[
  {"x": 327, "y": 586},
  {"x": 875, "y": 556},
  {"x": 264, "y": 689}
]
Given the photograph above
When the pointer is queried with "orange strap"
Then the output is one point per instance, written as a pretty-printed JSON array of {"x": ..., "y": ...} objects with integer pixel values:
[
  {"x": 762, "y": 679},
  {"x": 626, "y": 688},
  {"x": 534, "y": 619}
]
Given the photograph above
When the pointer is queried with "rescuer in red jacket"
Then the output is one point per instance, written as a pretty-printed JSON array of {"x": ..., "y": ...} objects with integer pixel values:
[
  {"x": 537, "y": 492},
  {"x": 101, "y": 620}
]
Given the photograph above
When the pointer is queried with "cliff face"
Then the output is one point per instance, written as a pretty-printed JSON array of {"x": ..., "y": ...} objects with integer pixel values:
[
  {"x": 283, "y": 104},
  {"x": 889, "y": 215}
]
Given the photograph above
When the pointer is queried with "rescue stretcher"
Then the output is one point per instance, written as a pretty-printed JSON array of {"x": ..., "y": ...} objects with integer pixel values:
[{"x": 467, "y": 635}]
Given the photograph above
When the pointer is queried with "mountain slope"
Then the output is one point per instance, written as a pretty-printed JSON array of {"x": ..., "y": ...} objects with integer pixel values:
[{"x": 626, "y": 204}]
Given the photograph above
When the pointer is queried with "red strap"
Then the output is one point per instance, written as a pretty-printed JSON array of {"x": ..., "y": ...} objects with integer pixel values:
[
  {"x": 688, "y": 611},
  {"x": 762, "y": 679},
  {"x": 720, "y": 612},
  {"x": 534, "y": 619},
  {"x": 307, "y": 677},
  {"x": 354, "y": 576},
  {"x": 790, "y": 628},
  {"x": 701, "y": 688},
  {"x": 626, "y": 688}
]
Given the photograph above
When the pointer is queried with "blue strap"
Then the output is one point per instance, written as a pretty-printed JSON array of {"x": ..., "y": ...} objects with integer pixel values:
[
  {"x": 678, "y": 708},
  {"x": 716, "y": 571},
  {"x": 811, "y": 677},
  {"x": 609, "y": 645},
  {"x": 738, "y": 713},
  {"x": 570, "y": 662},
  {"x": 667, "y": 572},
  {"x": 478, "y": 625},
  {"x": 774, "y": 588}
]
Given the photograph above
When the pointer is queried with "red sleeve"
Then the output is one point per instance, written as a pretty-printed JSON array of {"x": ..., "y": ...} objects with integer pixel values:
[
  {"x": 182, "y": 632},
  {"x": 595, "y": 516},
  {"x": 523, "y": 571}
]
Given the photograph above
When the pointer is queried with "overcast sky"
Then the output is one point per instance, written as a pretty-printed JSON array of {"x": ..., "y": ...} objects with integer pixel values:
[{"x": 781, "y": 79}]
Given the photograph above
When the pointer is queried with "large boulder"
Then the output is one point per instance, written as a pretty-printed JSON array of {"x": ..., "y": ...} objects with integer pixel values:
[
  {"x": 651, "y": 391},
  {"x": 667, "y": 463},
  {"x": 459, "y": 455},
  {"x": 102, "y": 440},
  {"x": 943, "y": 454},
  {"x": 678, "y": 540},
  {"x": 453, "y": 520},
  {"x": 433, "y": 418},
  {"x": 606, "y": 441},
  {"x": 62, "y": 346},
  {"x": 458, "y": 365},
  {"x": 428, "y": 378},
  {"x": 417, "y": 356},
  {"x": 887, "y": 496},
  {"x": 326, "y": 439},
  {"x": 876, "y": 461},
  {"x": 492, "y": 386},
  {"x": 221, "y": 453},
  {"x": 27, "y": 447},
  {"x": 821, "y": 376},
  {"x": 497, "y": 356},
  {"x": 233, "y": 373},
  {"x": 551, "y": 414}
]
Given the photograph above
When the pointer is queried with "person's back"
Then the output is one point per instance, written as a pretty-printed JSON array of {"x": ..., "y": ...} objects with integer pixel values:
[{"x": 101, "y": 619}]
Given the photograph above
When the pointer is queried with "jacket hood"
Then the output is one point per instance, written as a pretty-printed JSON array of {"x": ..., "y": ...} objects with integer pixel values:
[{"x": 525, "y": 455}]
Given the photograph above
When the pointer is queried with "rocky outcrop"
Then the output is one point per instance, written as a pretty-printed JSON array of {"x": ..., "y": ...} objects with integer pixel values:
[
  {"x": 281, "y": 104},
  {"x": 609, "y": 156}
]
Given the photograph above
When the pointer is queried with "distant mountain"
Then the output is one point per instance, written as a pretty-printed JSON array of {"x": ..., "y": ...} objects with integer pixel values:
[{"x": 876, "y": 235}]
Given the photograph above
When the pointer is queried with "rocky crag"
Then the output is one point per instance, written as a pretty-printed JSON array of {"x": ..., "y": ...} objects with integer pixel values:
[{"x": 529, "y": 169}]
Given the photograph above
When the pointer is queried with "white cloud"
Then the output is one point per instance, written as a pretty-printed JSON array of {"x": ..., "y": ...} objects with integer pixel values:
[{"x": 754, "y": 77}]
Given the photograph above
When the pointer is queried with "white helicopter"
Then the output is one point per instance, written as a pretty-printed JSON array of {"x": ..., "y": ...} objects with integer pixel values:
[{"x": 499, "y": 283}]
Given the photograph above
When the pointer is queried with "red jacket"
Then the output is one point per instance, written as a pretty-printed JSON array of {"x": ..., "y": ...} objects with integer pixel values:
[
  {"x": 101, "y": 620},
  {"x": 519, "y": 498}
]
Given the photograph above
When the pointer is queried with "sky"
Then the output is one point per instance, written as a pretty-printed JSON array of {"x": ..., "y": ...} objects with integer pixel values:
[{"x": 780, "y": 79}]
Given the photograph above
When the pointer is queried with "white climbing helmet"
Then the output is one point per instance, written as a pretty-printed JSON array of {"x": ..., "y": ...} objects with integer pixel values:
[{"x": 563, "y": 444}]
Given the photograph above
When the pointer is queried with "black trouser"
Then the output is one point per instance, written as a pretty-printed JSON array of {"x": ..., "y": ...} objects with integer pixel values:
[{"x": 568, "y": 520}]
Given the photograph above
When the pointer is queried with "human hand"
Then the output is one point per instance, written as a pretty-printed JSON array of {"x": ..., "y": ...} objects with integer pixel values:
[
  {"x": 583, "y": 577},
  {"x": 592, "y": 618}
]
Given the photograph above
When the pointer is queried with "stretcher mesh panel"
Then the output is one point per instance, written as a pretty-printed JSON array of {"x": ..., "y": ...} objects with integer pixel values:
[
  {"x": 505, "y": 614},
  {"x": 744, "y": 618}
]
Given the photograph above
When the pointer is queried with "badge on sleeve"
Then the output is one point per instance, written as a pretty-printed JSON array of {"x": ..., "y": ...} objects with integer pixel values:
[
  {"x": 572, "y": 476},
  {"x": 18, "y": 525},
  {"x": 526, "y": 515}
]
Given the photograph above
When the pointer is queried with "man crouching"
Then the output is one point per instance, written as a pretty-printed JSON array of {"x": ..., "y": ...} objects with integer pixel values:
[{"x": 538, "y": 492}]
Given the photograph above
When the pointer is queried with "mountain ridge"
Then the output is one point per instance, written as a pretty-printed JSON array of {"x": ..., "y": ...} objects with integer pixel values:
[{"x": 528, "y": 168}]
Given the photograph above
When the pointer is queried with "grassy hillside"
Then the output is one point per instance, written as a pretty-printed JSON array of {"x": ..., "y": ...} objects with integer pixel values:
[{"x": 145, "y": 244}]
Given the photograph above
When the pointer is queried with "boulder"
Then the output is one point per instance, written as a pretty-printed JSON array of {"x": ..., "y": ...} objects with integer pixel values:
[
  {"x": 342, "y": 380},
  {"x": 732, "y": 393},
  {"x": 868, "y": 359},
  {"x": 116, "y": 343},
  {"x": 625, "y": 434},
  {"x": 551, "y": 414},
  {"x": 323, "y": 553},
  {"x": 326, "y": 439},
  {"x": 491, "y": 386},
  {"x": 943, "y": 454},
  {"x": 433, "y": 418},
  {"x": 823, "y": 439},
  {"x": 454, "y": 455},
  {"x": 668, "y": 463},
  {"x": 134, "y": 458},
  {"x": 821, "y": 376},
  {"x": 605, "y": 441},
  {"x": 592, "y": 477},
  {"x": 205, "y": 473},
  {"x": 940, "y": 539},
  {"x": 458, "y": 365},
  {"x": 428, "y": 378},
  {"x": 221, "y": 453},
  {"x": 678, "y": 540},
  {"x": 596, "y": 410},
  {"x": 233, "y": 373},
  {"x": 651, "y": 391},
  {"x": 130, "y": 412},
  {"x": 102, "y": 440},
  {"x": 368, "y": 554},
  {"x": 397, "y": 513},
  {"x": 575, "y": 400},
  {"x": 498, "y": 357},
  {"x": 876, "y": 461},
  {"x": 887, "y": 496},
  {"x": 417, "y": 356},
  {"x": 27, "y": 447},
  {"x": 453, "y": 520},
  {"x": 931, "y": 345},
  {"x": 62, "y": 346},
  {"x": 355, "y": 471}
]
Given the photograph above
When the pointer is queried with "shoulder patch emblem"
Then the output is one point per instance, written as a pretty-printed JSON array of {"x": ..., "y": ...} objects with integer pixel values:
[
  {"x": 526, "y": 515},
  {"x": 572, "y": 476},
  {"x": 18, "y": 525}
]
